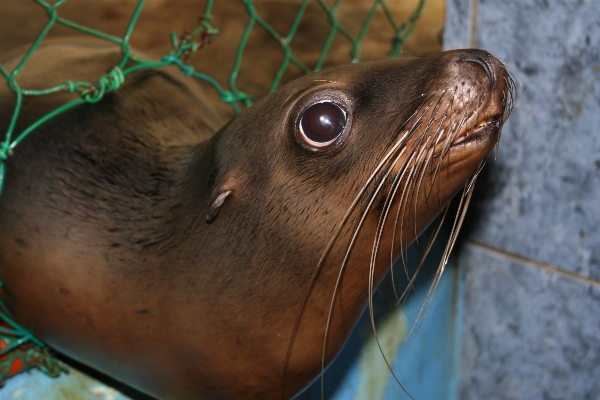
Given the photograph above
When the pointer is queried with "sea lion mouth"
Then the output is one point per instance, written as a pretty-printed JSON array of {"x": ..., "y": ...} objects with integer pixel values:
[
  {"x": 477, "y": 132},
  {"x": 485, "y": 128},
  {"x": 474, "y": 137}
]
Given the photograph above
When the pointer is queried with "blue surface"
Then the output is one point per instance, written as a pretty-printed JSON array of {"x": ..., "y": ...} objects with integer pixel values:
[
  {"x": 529, "y": 333},
  {"x": 34, "y": 385},
  {"x": 531, "y": 321},
  {"x": 543, "y": 195}
]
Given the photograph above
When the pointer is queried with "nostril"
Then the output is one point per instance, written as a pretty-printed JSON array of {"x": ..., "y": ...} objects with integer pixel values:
[{"x": 484, "y": 60}]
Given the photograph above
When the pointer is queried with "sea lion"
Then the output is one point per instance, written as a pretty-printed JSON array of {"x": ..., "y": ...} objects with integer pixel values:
[{"x": 231, "y": 265}]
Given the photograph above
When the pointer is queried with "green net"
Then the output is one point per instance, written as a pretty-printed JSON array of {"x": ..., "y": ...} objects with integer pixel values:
[{"x": 16, "y": 342}]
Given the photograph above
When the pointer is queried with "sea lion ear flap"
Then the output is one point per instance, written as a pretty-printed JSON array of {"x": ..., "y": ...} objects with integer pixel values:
[
  {"x": 230, "y": 183},
  {"x": 216, "y": 201}
]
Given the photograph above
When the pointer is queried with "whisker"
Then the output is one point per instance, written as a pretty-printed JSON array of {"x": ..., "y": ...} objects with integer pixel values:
[
  {"x": 405, "y": 171},
  {"x": 399, "y": 144},
  {"x": 462, "y": 210},
  {"x": 329, "y": 246}
]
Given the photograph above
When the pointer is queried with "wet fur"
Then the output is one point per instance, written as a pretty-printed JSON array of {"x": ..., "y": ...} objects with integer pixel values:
[{"x": 104, "y": 221}]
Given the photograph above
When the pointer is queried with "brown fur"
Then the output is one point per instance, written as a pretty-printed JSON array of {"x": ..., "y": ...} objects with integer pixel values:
[{"x": 106, "y": 254}]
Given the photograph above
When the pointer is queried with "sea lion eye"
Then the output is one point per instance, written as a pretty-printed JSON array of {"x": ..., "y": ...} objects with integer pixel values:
[{"x": 322, "y": 123}]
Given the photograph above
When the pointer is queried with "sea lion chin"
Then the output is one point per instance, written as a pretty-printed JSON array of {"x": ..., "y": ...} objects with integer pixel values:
[{"x": 231, "y": 265}]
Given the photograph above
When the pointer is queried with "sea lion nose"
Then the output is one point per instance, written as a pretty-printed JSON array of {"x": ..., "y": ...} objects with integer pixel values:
[{"x": 486, "y": 61}]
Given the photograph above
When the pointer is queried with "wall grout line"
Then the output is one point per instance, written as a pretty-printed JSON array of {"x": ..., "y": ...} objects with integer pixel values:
[{"x": 538, "y": 264}]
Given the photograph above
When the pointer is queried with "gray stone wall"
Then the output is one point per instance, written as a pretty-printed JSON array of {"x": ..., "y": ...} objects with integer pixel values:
[{"x": 531, "y": 263}]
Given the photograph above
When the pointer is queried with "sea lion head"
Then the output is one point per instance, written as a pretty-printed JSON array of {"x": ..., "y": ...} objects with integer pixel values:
[
  {"x": 331, "y": 177},
  {"x": 406, "y": 133}
]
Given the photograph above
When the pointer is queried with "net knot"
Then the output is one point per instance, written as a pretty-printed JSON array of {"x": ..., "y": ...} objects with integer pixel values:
[
  {"x": 5, "y": 151},
  {"x": 70, "y": 86},
  {"x": 188, "y": 70},
  {"x": 107, "y": 83},
  {"x": 229, "y": 97}
]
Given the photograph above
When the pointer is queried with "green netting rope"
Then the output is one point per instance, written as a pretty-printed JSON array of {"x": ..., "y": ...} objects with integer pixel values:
[{"x": 16, "y": 337}]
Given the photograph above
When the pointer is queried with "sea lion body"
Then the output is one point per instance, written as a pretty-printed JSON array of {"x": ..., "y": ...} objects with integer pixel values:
[{"x": 200, "y": 265}]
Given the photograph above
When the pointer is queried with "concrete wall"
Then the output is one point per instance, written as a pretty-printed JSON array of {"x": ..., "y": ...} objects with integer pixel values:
[{"x": 531, "y": 264}]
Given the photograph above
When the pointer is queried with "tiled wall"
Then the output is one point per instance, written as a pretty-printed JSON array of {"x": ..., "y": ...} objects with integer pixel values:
[{"x": 531, "y": 265}]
